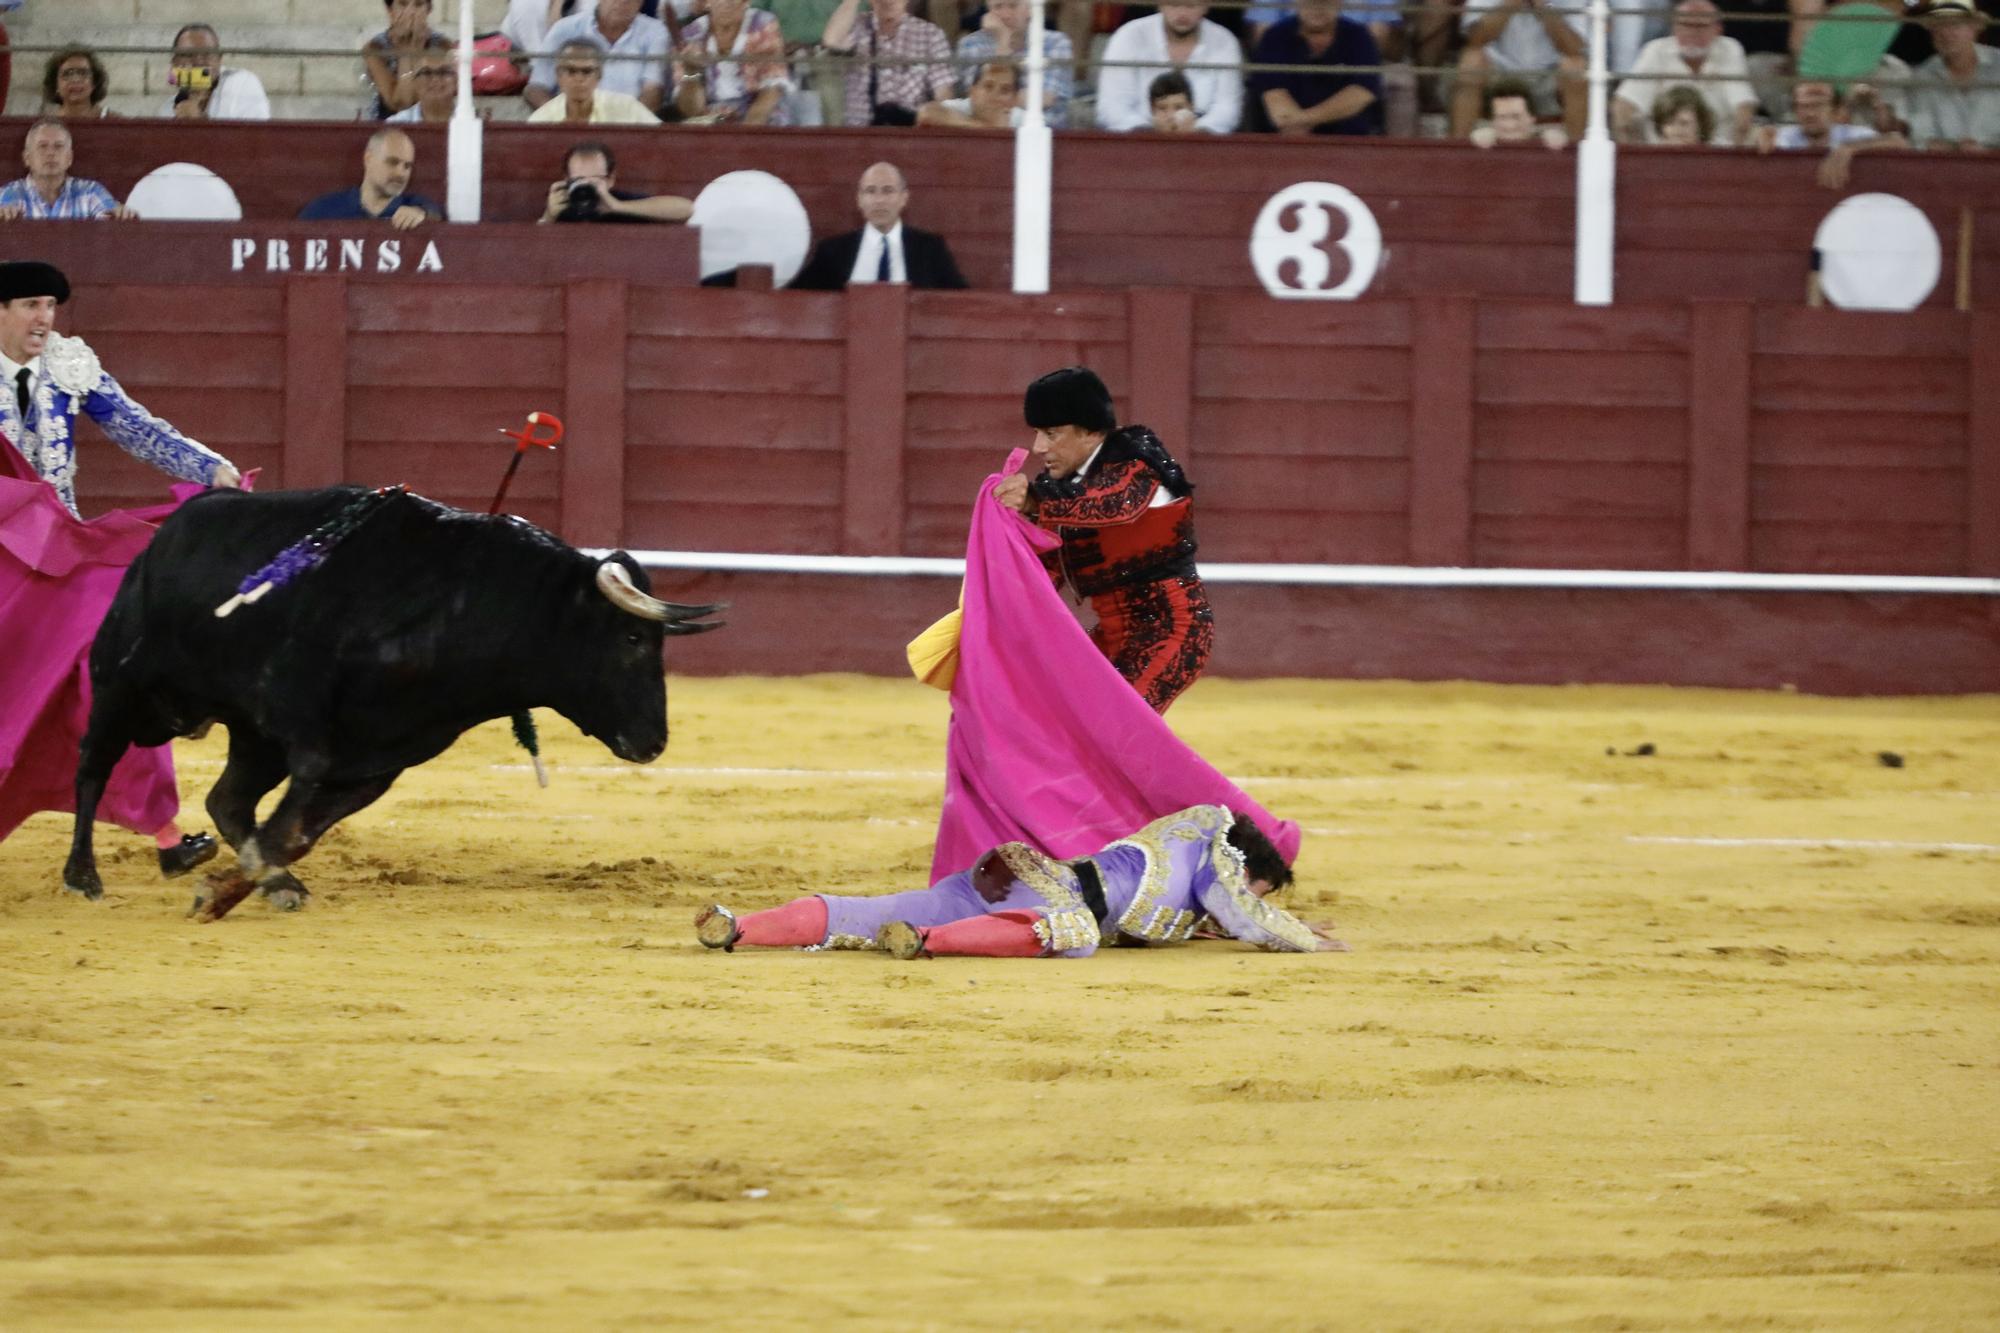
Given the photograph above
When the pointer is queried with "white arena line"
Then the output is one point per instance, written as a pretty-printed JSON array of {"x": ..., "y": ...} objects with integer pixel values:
[{"x": 1838, "y": 844}]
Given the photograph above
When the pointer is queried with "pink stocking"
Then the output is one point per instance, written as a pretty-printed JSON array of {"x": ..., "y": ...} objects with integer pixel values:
[
  {"x": 797, "y": 924},
  {"x": 996, "y": 935}
]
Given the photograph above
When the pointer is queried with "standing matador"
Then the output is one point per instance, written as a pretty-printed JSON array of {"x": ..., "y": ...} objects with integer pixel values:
[{"x": 1124, "y": 512}]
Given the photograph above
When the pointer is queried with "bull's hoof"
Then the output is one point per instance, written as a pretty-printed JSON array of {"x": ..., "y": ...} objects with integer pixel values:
[
  {"x": 715, "y": 926},
  {"x": 194, "y": 849},
  {"x": 83, "y": 880},
  {"x": 220, "y": 893},
  {"x": 284, "y": 893}
]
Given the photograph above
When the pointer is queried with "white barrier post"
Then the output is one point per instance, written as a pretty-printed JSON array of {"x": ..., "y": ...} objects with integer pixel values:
[
  {"x": 1596, "y": 176},
  {"x": 466, "y": 148},
  {"x": 1034, "y": 147}
]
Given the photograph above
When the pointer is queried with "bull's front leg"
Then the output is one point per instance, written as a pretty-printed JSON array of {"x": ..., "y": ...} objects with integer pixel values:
[
  {"x": 306, "y": 811},
  {"x": 105, "y": 741}
]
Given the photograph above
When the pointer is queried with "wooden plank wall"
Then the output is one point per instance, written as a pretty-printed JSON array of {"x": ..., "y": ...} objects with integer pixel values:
[
  {"x": 1136, "y": 211},
  {"x": 1438, "y": 430}
]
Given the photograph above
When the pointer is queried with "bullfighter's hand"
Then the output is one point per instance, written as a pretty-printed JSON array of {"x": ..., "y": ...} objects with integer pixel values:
[
  {"x": 227, "y": 478},
  {"x": 1013, "y": 492},
  {"x": 408, "y": 216},
  {"x": 1325, "y": 942}
]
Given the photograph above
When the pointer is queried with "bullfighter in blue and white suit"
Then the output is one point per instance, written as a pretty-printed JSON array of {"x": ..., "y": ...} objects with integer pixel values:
[
  {"x": 50, "y": 378},
  {"x": 58, "y": 574}
]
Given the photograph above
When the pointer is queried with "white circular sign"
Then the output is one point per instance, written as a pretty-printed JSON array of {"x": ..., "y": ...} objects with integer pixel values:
[
  {"x": 1877, "y": 252},
  {"x": 751, "y": 217},
  {"x": 184, "y": 192},
  {"x": 1293, "y": 229}
]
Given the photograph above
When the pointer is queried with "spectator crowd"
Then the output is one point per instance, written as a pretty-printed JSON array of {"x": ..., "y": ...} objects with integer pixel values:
[
  {"x": 1499, "y": 73},
  {"x": 1303, "y": 67}
]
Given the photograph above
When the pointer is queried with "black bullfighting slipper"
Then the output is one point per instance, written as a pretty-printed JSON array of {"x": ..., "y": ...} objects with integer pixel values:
[
  {"x": 900, "y": 939},
  {"x": 193, "y": 849},
  {"x": 715, "y": 926}
]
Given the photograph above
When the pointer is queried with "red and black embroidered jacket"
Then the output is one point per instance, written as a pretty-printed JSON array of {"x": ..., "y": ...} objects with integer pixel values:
[{"x": 1113, "y": 535}]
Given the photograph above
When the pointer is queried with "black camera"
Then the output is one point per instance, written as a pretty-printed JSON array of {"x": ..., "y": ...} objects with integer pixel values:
[{"x": 585, "y": 199}]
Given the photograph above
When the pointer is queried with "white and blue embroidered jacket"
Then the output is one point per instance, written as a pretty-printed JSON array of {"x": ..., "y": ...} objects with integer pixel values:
[{"x": 68, "y": 380}]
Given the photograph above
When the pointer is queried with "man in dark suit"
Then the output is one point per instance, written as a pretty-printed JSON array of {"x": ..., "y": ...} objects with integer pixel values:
[{"x": 883, "y": 251}]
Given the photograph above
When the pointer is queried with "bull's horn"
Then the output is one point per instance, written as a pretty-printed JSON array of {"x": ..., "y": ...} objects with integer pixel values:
[{"x": 616, "y": 584}]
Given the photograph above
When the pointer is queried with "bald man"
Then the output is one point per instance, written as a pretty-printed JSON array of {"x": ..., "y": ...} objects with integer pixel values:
[
  {"x": 884, "y": 250},
  {"x": 384, "y": 193}
]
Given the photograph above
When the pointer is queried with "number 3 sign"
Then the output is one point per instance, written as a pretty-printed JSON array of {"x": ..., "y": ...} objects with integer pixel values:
[{"x": 1304, "y": 243}]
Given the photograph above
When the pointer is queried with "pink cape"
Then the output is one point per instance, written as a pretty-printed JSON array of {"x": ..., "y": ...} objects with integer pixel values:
[
  {"x": 58, "y": 575},
  {"x": 1049, "y": 745}
]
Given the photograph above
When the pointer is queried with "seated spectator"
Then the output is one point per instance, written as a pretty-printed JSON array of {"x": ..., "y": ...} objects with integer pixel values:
[
  {"x": 206, "y": 88},
  {"x": 390, "y": 56},
  {"x": 6, "y": 60},
  {"x": 1328, "y": 103},
  {"x": 884, "y": 250},
  {"x": 588, "y": 192},
  {"x": 528, "y": 22},
  {"x": 1697, "y": 50},
  {"x": 1172, "y": 103},
  {"x": 1182, "y": 39},
  {"x": 1769, "y": 44},
  {"x": 383, "y": 194},
  {"x": 993, "y": 104},
  {"x": 74, "y": 85},
  {"x": 48, "y": 190},
  {"x": 731, "y": 67},
  {"x": 1947, "y": 108},
  {"x": 1821, "y": 122},
  {"x": 636, "y": 47},
  {"x": 579, "y": 74},
  {"x": 1682, "y": 117},
  {"x": 889, "y": 94},
  {"x": 1004, "y": 33},
  {"x": 435, "y": 75},
  {"x": 1385, "y": 23},
  {"x": 1510, "y": 119},
  {"x": 802, "y": 24},
  {"x": 1538, "y": 41}
]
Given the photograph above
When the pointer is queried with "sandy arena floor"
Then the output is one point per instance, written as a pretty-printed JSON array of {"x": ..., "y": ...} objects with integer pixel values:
[{"x": 1701, "y": 1037}]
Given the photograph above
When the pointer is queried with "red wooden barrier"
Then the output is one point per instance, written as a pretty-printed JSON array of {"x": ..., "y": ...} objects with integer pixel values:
[
  {"x": 1136, "y": 211},
  {"x": 1434, "y": 430}
]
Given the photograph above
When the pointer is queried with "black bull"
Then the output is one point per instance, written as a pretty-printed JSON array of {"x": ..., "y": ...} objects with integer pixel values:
[{"x": 422, "y": 623}]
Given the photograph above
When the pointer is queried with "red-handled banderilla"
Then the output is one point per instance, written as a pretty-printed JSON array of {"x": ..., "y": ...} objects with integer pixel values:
[
  {"x": 529, "y": 436},
  {"x": 524, "y": 439}
]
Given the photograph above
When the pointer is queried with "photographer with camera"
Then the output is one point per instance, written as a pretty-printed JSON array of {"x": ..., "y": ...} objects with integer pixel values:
[
  {"x": 589, "y": 192},
  {"x": 206, "y": 90},
  {"x": 580, "y": 100}
]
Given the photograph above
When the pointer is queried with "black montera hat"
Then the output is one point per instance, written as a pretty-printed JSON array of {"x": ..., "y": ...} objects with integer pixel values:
[
  {"x": 31, "y": 277},
  {"x": 1072, "y": 396}
]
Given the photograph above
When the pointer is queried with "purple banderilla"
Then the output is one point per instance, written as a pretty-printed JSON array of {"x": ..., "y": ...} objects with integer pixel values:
[{"x": 308, "y": 551}]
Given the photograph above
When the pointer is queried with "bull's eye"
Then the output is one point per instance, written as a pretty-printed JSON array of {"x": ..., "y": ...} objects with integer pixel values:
[{"x": 635, "y": 638}]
